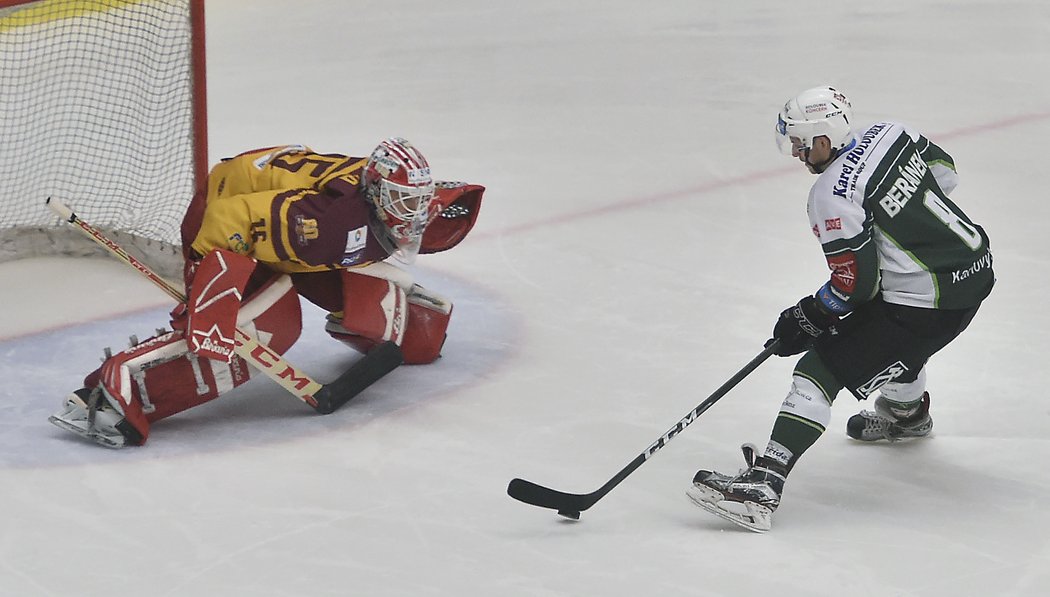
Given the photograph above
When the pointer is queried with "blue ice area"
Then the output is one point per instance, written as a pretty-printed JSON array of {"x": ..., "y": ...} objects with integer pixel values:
[{"x": 49, "y": 365}]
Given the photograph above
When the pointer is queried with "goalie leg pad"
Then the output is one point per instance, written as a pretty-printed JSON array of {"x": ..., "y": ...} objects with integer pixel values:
[
  {"x": 273, "y": 315},
  {"x": 122, "y": 377},
  {"x": 428, "y": 316},
  {"x": 161, "y": 377},
  {"x": 375, "y": 310}
]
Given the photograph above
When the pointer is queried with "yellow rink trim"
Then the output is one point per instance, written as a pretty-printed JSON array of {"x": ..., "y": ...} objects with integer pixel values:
[{"x": 47, "y": 11}]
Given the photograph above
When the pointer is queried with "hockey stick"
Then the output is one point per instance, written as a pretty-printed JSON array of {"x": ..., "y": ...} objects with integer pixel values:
[
  {"x": 570, "y": 505},
  {"x": 324, "y": 398}
]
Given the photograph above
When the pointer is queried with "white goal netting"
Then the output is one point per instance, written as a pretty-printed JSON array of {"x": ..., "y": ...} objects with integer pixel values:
[{"x": 101, "y": 107}]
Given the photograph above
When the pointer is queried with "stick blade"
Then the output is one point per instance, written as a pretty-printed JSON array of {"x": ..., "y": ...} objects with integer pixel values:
[
  {"x": 545, "y": 497},
  {"x": 366, "y": 371}
]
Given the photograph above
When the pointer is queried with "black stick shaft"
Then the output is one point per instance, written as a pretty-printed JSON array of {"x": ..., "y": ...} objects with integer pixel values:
[{"x": 544, "y": 497}]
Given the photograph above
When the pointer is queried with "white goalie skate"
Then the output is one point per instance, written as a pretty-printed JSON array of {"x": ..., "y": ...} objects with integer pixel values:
[
  {"x": 747, "y": 499},
  {"x": 89, "y": 415}
]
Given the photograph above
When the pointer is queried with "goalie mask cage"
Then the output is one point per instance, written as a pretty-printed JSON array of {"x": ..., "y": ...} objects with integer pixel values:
[{"x": 102, "y": 106}]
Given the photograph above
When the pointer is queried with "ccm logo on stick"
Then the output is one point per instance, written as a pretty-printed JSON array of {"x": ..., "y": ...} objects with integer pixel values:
[{"x": 263, "y": 358}]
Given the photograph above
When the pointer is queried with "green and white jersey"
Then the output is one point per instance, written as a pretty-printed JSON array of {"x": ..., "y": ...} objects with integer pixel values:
[{"x": 885, "y": 222}]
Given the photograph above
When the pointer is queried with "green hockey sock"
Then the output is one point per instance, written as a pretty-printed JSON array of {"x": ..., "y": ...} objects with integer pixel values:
[{"x": 794, "y": 435}]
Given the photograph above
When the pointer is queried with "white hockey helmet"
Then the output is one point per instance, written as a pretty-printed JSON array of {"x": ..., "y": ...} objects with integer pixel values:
[
  {"x": 398, "y": 184},
  {"x": 817, "y": 112}
]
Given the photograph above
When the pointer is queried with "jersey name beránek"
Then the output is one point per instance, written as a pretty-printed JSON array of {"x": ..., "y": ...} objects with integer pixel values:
[{"x": 884, "y": 220}]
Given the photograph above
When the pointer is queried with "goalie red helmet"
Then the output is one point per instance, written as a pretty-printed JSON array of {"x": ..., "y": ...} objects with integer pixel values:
[{"x": 397, "y": 182}]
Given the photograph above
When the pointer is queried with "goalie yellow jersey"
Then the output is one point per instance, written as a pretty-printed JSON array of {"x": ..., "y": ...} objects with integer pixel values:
[{"x": 289, "y": 208}]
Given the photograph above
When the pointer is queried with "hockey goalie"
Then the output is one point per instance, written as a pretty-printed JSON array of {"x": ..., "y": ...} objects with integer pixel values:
[{"x": 273, "y": 225}]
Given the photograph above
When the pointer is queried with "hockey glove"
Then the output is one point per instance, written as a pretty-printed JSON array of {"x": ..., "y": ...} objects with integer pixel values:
[
  {"x": 799, "y": 326},
  {"x": 178, "y": 317},
  {"x": 181, "y": 313}
]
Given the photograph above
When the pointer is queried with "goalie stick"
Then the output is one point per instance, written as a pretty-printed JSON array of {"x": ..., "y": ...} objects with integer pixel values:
[
  {"x": 570, "y": 505},
  {"x": 324, "y": 398}
]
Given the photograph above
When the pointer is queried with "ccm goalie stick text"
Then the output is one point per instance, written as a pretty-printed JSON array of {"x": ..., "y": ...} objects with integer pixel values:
[
  {"x": 324, "y": 398},
  {"x": 570, "y": 505}
]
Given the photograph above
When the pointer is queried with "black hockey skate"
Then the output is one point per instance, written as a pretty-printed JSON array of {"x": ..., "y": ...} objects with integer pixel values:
[
  {"x": 891, "y": 423},
  {"x": 747, "y": 499}
]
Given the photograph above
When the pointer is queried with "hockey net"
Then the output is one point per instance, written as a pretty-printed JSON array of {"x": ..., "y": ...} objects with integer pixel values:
[{"x": 102, "y": 106}]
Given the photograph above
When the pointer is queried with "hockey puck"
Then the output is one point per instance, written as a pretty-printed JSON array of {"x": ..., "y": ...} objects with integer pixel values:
[{"x": 572, "y": 514}]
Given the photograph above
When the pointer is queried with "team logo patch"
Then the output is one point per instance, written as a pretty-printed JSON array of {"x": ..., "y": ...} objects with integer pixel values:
[
  {"x": 212, "y": 341},
  {"x": 237, "y": 243},
  {"x": 306, "y": 229},
  {"x": 882, "y": 378},
  {"x": 843, "y": 272},
  {"x": 356, "y": 239}
]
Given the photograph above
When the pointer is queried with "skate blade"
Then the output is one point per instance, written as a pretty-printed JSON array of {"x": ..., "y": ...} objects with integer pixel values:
[
  {"x": 66, "y": 425},
  {"x": 84, "y": 433},
  {"x": 754, "y": 517},
  {"x": 884, "y": 438}
]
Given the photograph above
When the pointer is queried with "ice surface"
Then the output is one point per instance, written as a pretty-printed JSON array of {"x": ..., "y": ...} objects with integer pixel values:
[{"x": 639, "y": 235}]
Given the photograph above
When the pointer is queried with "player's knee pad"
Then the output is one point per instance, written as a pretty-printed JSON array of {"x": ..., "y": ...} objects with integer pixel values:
[
  {"x": 905, "y": 392},
  {"x": 161, "y": 377},
  {"x": 807, "y": 401}
]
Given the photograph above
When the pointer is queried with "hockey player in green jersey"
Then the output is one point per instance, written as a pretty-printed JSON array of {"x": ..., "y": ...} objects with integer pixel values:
[{"x": 908, "y": 271}]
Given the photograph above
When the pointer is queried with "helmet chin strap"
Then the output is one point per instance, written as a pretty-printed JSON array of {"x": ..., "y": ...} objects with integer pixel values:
[
  {"x": 819, "y": 168},
  {"x": 831, "y": 158}
]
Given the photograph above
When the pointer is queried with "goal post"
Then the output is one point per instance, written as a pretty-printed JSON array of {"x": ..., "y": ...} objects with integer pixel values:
[{"x": 102, "y": 106}]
